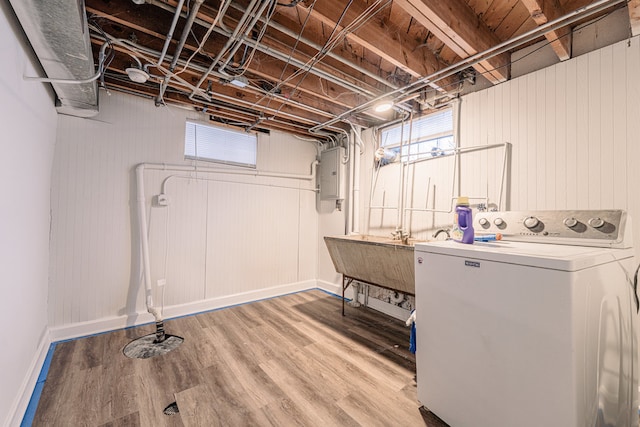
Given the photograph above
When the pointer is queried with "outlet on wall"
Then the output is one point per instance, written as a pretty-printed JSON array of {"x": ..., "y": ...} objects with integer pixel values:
[{"x": 162, "y": 282}]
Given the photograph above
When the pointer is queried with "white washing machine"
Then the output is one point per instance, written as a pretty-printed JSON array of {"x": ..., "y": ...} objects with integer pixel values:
[{"x": 538, "y": 329}]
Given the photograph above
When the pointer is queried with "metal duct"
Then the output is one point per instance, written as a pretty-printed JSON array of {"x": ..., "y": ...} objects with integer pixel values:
[{"x": 58, "y": 33}]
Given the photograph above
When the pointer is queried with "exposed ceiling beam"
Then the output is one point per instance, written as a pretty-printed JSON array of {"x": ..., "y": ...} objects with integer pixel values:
[
  {"x": 304, "y": 111},
  {"x": 325, "y": 96},
  {"x": 634, "y": 16},
  {"x": 543, "y": 11},
  {"x": 455, "y": 23},
  {"x": 377, "y": 36}
]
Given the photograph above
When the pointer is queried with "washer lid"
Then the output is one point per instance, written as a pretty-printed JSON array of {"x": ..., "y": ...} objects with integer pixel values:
[{"x": 557, "y": 257}]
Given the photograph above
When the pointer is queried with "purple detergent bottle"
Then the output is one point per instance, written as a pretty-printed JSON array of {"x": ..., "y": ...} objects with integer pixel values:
[{"x": 462, "y": 222}]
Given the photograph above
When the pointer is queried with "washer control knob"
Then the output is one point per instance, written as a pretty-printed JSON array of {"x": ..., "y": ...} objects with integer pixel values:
[
  {"x": 531, "y": 222},
  {"x": 596, "y": 222},
  {"x": 570, "y": 222},
  {"x": 498, "y": 222},
  {"x": 483, "y": 222}
]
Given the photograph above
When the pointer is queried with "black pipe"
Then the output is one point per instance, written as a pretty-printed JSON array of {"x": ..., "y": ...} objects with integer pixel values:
[{"x": 160, "y": 336}]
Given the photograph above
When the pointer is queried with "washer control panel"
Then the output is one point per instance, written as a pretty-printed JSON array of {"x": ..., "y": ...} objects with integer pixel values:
[{"x": 604, "y": 228}]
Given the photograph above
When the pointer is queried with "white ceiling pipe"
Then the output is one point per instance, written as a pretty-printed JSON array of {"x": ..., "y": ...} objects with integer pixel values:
[
  {"x": 581, "y": 13},
  {"x": 360, "y": 70},
  {"x": 280, "y": 56},
  {"x": 229, "y": 42},
  {"x": 57, "y": 32},
  {"x": 167, "y": 41},
  {"x": 143, "y": 53},
  {"x": 101, "y": 58},
  {"x": 240, "y": 41},
  {"x": 183, "y": 39}
]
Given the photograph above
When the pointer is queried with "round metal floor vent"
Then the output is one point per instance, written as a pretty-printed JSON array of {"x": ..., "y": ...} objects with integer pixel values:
[{"x": 146, "y": 347}]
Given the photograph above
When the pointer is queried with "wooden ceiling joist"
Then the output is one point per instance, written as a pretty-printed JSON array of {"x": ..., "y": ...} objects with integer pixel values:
[
  {"x": 380, "y": 38},
  {"x": 311, "y": 63},
  {"x": 634, "y": 16},
  {"x": 455, "y": 23},
  {"x": 543, "y": 11}
]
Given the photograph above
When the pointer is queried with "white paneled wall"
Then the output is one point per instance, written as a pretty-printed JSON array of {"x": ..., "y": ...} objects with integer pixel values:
[
  {"x": 221, "y": 236},
  {"x": 28, "y": 138},
  {"x": 574, "y": 128},
  {"x": 431, "y": 189}
]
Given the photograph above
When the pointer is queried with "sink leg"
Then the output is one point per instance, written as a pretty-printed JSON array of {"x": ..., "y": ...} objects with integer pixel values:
[{"x": 346, "y": 281}]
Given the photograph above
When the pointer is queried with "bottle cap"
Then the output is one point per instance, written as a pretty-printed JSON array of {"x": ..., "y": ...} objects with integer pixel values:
[{"x": 463, "y": 201}]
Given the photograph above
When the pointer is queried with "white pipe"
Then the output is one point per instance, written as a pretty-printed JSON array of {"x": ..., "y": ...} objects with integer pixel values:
[
  {"x": 222, "y": 10},
  {"x": 456, "y": 170},
  {"x": 211, "y": 179},
  {"x": 176, "y": 16},
  {"x": 580, "y": 13},
  {"x": 209, "y": 169},
  {"x": 352, "y": 177},
  {"x": 356, "y": 187},
  {"x": 278, "y": 55},
  {"x": 101, "y": 58},
  {"x": 456, "y": 140},
  {"x": 142, "y": 216},
  {"x": 176, "y": 56},
  {"x": 239, "y": 42},
  {"x": 228, "y": 44},
  {"x": 144, "y": 241},
  {"x": 354, "y": 170},
  {"x": 505, "y": 165}
]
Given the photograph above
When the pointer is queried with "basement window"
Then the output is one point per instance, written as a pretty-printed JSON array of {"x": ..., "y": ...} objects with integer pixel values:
[
  {"x": 431, "y": 136},
  {"x": 220, "y": 145}
]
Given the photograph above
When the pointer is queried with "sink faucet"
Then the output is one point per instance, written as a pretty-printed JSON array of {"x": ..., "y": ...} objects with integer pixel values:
[
  {"x": 442, "y": 230},
  {"x": 401, "y": 235}
]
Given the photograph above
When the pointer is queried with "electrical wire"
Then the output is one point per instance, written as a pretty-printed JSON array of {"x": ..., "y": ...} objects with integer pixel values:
[
  {"x": 278, "y": 86},
  {"x": 548, "y": 42},
  {"x": 221, "y": 10},
  {"x": 259, "y": 38},
  {"x": 635, "y": 289},
  {"x": 334, "y": 38}
]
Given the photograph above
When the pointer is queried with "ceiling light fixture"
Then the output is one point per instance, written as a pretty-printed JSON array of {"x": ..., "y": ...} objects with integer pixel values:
[
  {"x": 382, "y": 106},
  {"x": 137, "y": 75},
  {"x": 240, "y": 81}
]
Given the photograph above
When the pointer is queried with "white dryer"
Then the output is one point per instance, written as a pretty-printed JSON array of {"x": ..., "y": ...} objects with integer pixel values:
[{"x": 538, "y": 329}]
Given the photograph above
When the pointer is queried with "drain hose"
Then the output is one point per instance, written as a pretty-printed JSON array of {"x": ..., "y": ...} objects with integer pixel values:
[{"x": 142, "y": 217}]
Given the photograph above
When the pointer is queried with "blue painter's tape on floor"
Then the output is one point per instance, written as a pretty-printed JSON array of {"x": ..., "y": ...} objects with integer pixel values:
[{"x": 30, "y": 413}]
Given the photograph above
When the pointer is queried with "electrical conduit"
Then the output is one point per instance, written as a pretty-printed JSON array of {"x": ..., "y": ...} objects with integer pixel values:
[
  {"x": 144, "y": 244},
  {"x": 144, "y": 229}
]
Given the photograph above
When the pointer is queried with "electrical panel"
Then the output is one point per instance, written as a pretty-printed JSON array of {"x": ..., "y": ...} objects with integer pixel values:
[{"x": 330, "y": 173}]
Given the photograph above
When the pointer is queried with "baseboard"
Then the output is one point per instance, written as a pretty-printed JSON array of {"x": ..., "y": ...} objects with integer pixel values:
[
  {"x": 30, "y": 384},
  {"x": 77, "y": 330},
  {"x": 30, "y": 391},
  {"x": 333, "y": 288}
]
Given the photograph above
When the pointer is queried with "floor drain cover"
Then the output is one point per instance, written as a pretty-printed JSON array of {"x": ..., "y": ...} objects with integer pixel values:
[
  {"x": 172, "y": 409},
  {"x": 145, "y": 347}
]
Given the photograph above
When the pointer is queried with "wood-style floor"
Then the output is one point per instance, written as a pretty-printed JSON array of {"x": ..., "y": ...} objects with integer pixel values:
[{"x": 287, "y": 361}]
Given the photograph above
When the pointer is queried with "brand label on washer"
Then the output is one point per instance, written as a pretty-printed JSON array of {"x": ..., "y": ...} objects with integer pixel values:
[{"x": 471, "y": 263}]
